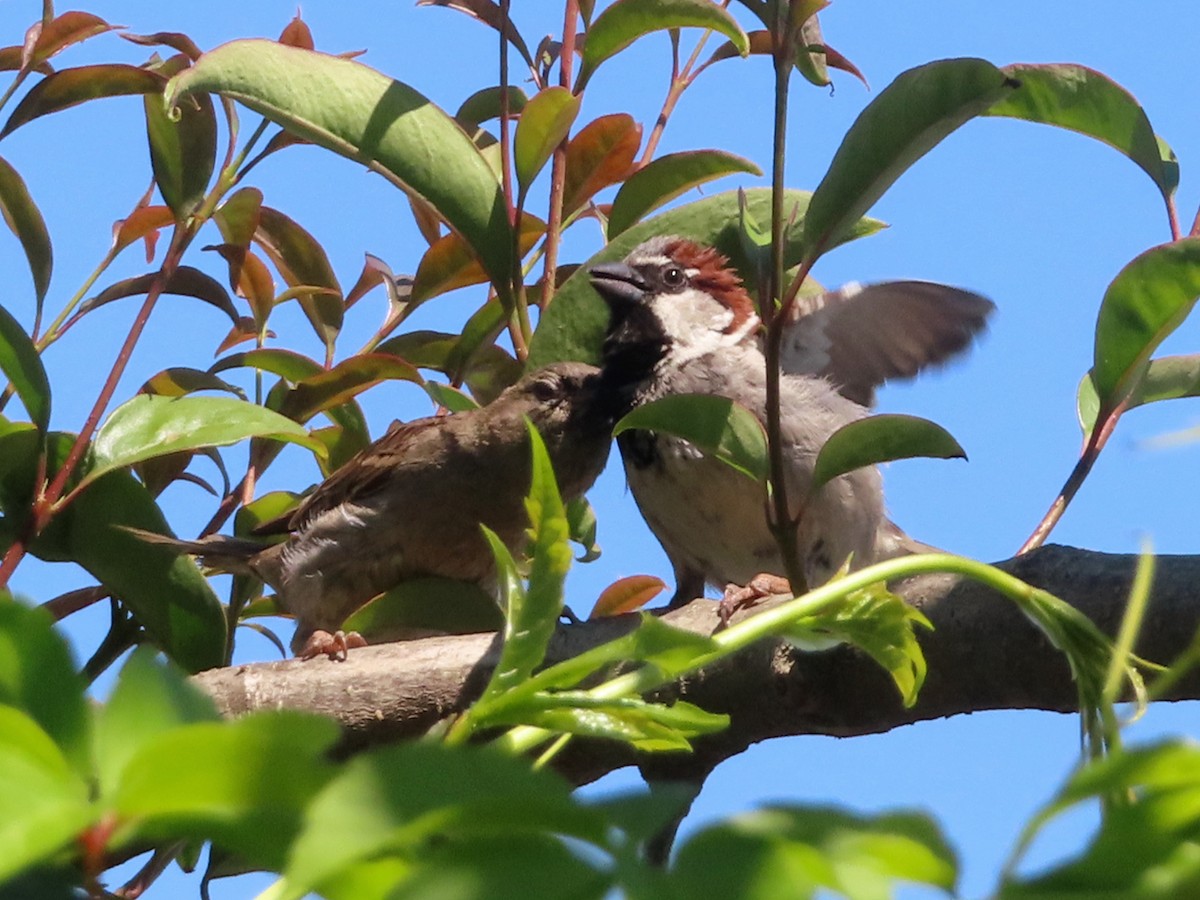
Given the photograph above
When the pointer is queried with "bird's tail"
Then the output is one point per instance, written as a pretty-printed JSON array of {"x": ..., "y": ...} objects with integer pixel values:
[
  {"x": 892, "y": 541},
  {"x": 217, "y": 551}
]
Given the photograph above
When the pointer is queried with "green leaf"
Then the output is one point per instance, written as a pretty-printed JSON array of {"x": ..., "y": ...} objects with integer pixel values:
[
  {"x": 532, "y": 614},
  {"x": 330, "y": 389},
  {"x": 243, "y": 784},
  {"x": 581, "y": 523},
  {"x": 410, "y": 797},
  {"x": 449, "y": 264},
  {"x": 362, "y": 114},
  {"x": 1146, "y": 845},
  {"x": 602, "y": 153},
  {"x": 426, "y": 606},
  {"x": 149, "y": 426},
  {"x": 70, "y": 87},
  {"x": 164, "y": 590},
  {"x": 877, "y": 622},
  {"x": 625, "y": 21},
  {"x": 302, "y": 262},
  {"x": 484, "y": 105},
  {"x": 21, "y": 214},
  {"x": 792, "y": 851},
  {"x": 719, "y": 426},
  {"x": 183, "y": 150},
  {"x": 177, "y": 381},
  {"x": 185, "y": 281},
  {"x": 150, "y": 699},
  {"x": 1165, "y": 378},
  {"x": 574, "y": 324},
  {"x": 665, "y": 178},
  {"x": 879, "y": 439},
  {"x": 544, "y": 124},
  {"x": 39, "y": 678},
  {"x": 898, "y": 127},
  {"x": 1084, "y": 100},
  {"x": 44, "y": 805},
  {"x": 1147, "y": 300},
  {"x": 647, "y": 726},
  {"x": 22, "y": 366}
]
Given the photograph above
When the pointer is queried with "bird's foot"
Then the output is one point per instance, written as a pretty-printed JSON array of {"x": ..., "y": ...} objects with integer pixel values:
[
  {"x": 739, "y": 597},
  {"x": 336, "y": 646}
]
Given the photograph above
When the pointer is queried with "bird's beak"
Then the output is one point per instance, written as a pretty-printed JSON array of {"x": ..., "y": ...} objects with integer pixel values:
[{"x": 617, "y": 283}]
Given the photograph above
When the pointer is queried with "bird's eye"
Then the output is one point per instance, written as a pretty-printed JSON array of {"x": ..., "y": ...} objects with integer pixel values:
[
  {"x": 674, "y": 277},
  {"x": 544, "y": 390}
]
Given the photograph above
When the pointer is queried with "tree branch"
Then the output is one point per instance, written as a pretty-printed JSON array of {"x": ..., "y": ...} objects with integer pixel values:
[{"x": 982, "y": 654}]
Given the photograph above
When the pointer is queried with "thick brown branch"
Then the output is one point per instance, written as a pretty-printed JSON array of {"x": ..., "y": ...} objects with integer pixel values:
[{"x": 982, "y": 655}]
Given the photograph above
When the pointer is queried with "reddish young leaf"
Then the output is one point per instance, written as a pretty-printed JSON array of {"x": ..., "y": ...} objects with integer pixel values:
[
  {"x": 601, "y": 154},
  {"x": 65, "y": 30},
  {"x": 297, "y": 34},
  {"x": 186, "y": 282},
  {"x": 626, "y": 595},
  {"x": 143, "y": 224},
  {"x": 489, "y": 13},
  {"x": 302, "y": 262},
  {"x": 237, "y": 218},
  {"x": 21, "y": 214},
  {"x": 343, "y": 382},
  {"x": 449, "y": 264},
  {"x": 245, "y": 330},
  {"x": 429, "y": 223},
  {"x": 173, "y": 39},
  {"x": 71, "y": 87},
  {"x": 11, "y": 59},
  {"x": 374, "y": 273}
]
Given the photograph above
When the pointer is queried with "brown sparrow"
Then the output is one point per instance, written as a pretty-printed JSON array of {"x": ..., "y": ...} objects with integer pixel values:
[
  {"x": 681, "y": 313},
  {"x": 411, "y": 504}
]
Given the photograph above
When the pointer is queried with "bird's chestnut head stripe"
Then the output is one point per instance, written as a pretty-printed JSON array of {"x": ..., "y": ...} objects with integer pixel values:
[{"x": 709, "y": 271}]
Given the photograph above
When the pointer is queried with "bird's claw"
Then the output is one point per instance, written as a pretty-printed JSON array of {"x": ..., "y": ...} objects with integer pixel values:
[
  {"x": 739, "y": 597},
  {"x": 336, "y": 645}
]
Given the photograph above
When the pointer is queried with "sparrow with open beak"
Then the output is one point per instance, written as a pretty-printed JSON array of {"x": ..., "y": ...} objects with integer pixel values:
[{"x": 680, "y": 313}]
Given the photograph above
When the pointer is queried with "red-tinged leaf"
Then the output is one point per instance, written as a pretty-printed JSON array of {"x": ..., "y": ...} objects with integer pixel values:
[
  {"x": 186, "y": 282},
  {"x": 810, "y": 48},
  {"x": 183, "y": 146},
  {"x": 491, "y": 368},
  {"x": 173, "y": 39},
  {"x": 627, "y": 595},
  {"x": 484, "y": 105},
  {"x": 429, "y": 223},
  {"x": 237, "y": 219},
  {"x": 143, "y": 224},
  {"x": 665, "y": 178},
  {"x": 278, "y": 141},
  {"x": 286, "y": 364},
  {"x": 245, "y": 330},
  {"x": 345, "y": 381},
  {"x": 11, "y": 58},
  {"x": 448, "y": 264},
  {"x": 544, "y": 124},
  {"x": 835, "y": 60},
  {"x": 23, "y": 217},
  {"x": 297, "y": 34},
  {"x": 601, "y": 154},
  {"x": 179, "y": 380},
  {"x": 70, "y": 87},
  {"x": 625, "y": 21},
  {"x": 65, "y": 30},
  {"x": 257, "y": 286},
  {"x": 374, "y": 273},
  {"x": 489, "y": 13},
  {"x": 301, "y": 260}
]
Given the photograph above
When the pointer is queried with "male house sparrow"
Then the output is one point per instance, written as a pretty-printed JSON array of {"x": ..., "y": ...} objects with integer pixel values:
[
  {"x": 681, "y": 313},
  {"x": 411, "y": 504}
]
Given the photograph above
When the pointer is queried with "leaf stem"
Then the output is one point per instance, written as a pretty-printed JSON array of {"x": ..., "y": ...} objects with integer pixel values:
[{"x": 558, "y": 166}]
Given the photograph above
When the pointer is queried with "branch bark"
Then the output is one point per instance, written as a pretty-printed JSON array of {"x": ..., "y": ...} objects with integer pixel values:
[{"x": 982, "y": 654}]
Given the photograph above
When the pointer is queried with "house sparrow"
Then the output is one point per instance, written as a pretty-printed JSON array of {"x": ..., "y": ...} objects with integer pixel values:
[
  {"x": 411, "y": 504},
  {"x": 680, "y": 312}
]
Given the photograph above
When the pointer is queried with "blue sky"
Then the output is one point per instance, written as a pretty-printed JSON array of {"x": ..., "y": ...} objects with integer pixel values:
[{"x": 1037, "y": 219}]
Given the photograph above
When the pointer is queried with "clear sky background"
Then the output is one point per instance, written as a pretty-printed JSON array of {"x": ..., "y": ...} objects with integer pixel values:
[{"x": 1037, "y": 219}]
